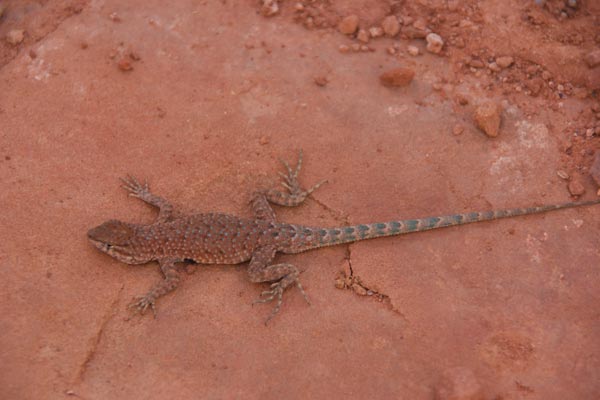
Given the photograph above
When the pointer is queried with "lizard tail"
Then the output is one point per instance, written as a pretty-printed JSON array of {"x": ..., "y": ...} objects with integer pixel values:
[{"x": 347, "y": 234}]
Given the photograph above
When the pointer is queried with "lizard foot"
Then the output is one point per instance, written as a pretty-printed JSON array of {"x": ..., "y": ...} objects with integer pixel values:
[
  {"x": 290, "y": 180},
  {"x": 276, "y": 291},
  {"x": 142, "y": 303},
  {"x": 134, "y": 187}
]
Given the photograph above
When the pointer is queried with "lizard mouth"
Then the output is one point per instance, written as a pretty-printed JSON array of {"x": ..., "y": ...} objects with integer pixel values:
[{"x": 102, "y": 246}]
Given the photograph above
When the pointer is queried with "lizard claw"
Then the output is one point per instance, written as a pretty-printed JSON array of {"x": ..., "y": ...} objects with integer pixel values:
[
  {"x": 276, "y": 291},
  {"x": 141, "y": 304},
  {"x": 134, "y": 187}
]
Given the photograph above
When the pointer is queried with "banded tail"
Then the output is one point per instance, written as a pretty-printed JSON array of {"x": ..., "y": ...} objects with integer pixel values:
[{"x": 347, "y": 234}]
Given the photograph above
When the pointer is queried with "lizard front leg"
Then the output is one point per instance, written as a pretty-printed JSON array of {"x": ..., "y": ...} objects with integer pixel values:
[
  {"x": 282, "y": 276},
  {"x": 170, "y": 283},
  {"x": 294, "y": 196},
  {"x": 142, "y": 192}
]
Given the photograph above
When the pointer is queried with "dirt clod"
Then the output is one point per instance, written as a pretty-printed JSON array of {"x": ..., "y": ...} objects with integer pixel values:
[
  {"x": 124, "y": 65},
  {"x": 321, "y": 80},
  {"x": 363, "y": 36},
  {"x": 505, "y": 61},
  {"x": 595, "y": 168},
  {"x": 562, "y": 174},
  {"x": 376, "y": 31},
  {"x": 397, "y": 77},
  {"x": 575, "y": 187},
  {"x": 487, "y": 117},
  {"x": 413, "y": 50},
  {"x": 269, "y": 8},
  {"x": 15, "y": 36},
  {"x": 592, "y": 59},
  {"x": 348, "y": 25},
  {"x": 458, "y": 129},
  {"x": 390, "y": 25},
  {"x": 434, "y": 43}
]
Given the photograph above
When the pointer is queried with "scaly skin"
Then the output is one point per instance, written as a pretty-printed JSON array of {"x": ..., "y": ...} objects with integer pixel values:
[{"x": 216, "y": 238}]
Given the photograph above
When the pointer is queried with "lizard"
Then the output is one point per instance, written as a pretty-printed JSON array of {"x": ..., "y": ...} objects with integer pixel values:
[{"x": 217, "y": 238}]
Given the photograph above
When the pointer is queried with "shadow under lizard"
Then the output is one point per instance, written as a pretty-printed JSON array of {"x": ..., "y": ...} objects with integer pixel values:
[{"x": 215, "y": 238}]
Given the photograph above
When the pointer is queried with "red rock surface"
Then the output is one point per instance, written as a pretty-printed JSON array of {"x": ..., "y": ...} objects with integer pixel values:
[{"x": 217, "y": 95}]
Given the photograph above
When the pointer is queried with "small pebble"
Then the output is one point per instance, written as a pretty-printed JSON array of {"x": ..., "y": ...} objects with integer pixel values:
[
  {"x": 458, "y": 129},
  {"x": 359, "y": 290},
  {"x": 124, "y": 65},
  {"x": 391, "y": 50},
  {"x": 595, "y": 168},
  {"x": 376, "y": 31},
  {"x": 576, "y": 188},
  {"x": 348, "y": 25},
  {"x": 363, "y": 36},
  {"x": 562, "y": 174},
  {"x": 390, "y": 25},
  {"x": 434, "y": 43},
  {"x": 494, "y": 67},
  {"x": 592, "y": 59},
  {"x": 264, "y": 140},
  {"x": 505, "y": 62},
  {"x": 343, "y": 48},
  {"x": 15, "y": 36},
  {"x": 413, "y": 50},
  {"x": 321, "y": 80},
  {"x": 487, "y": 117},
  {"x": 269, "y": 8},
  {"x": 397, "y": 77},
  {"x": 475, "y": 63}
]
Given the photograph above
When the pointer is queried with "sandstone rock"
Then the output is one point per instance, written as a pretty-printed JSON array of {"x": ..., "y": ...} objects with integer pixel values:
[{"x": 487, "y": 117}]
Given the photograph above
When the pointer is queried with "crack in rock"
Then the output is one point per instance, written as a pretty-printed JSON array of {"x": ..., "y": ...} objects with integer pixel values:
[
  {"x": 112, "y": 311},
  {"x": 354, "y": 282}
]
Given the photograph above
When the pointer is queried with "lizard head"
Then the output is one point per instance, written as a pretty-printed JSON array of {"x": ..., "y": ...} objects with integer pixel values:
[{"x": 115, "y": 238}]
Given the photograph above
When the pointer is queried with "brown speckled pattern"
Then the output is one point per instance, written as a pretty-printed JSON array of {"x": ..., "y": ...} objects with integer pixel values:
[{"x": 215, "y": 238}]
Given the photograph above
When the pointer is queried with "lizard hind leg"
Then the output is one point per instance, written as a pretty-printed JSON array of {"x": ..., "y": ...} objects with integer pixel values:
[
  {"x": 281, "y": 275},
  {"x": 288, "y": 276}
]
